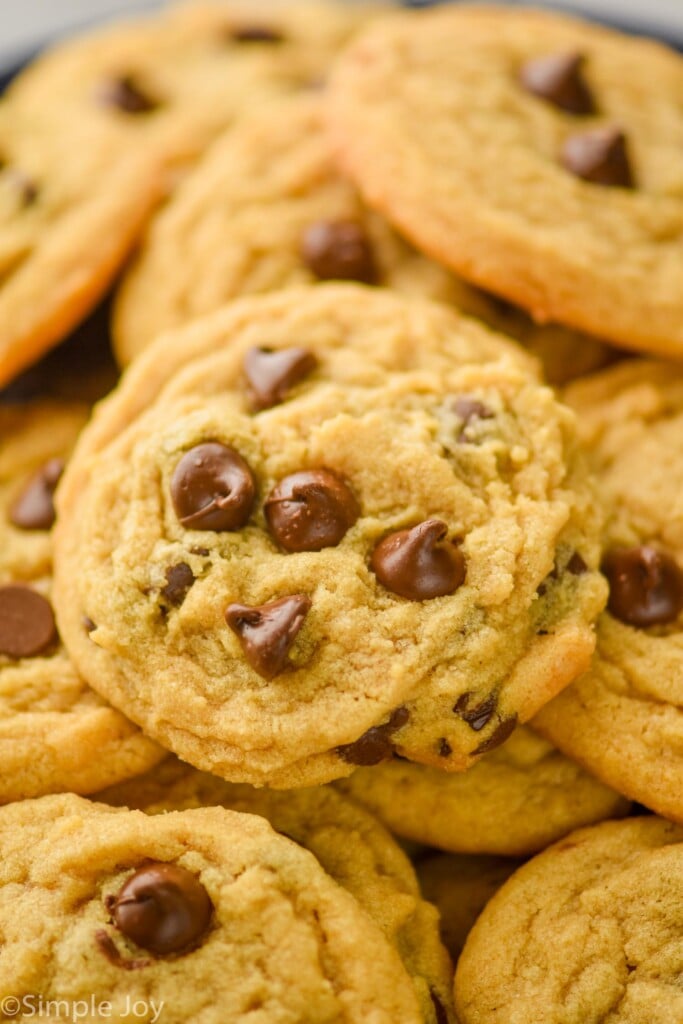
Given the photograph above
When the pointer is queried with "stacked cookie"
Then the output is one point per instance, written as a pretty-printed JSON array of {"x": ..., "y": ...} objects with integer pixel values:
[{"x": 333, "y": 561}]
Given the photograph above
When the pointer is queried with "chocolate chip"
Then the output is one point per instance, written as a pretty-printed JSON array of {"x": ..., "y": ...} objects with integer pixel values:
[
  {"x": 310, "y": 510},
  {"x": 272, "y": 373},
  {"x": 375, "y": 745},
  {"x": 212, "y": 488},
  {"x": 445, "y": 749},
  {"x": 479, "y": 715},
  {"x": 27, "y": 622},
  {"x": 500, "y": 734},
  {"x": 646, "y": 586},
  {"x": 162, "y": 908},
  {"x": 599, "y": 155},
  {"x": 33, "y": 509},
  {"x": 106, "y": 946},
  {"x": 267, "y": 632},
  {"x": 339, "y": 250},
  {"x": 418, "y": 563},
  {"x": 256, "y": 34},
  {"x": 179, "y": 579},
  {"x": 469, "y": 410},
  {"x": 576, "y": 565},
  {"x": 126, "y": 95},
  {"x": 439, "y": 1009},
  {"x": 558, "y": 79}
]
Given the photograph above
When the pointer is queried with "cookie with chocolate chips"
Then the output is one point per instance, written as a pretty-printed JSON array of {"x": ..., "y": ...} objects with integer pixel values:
[
  {"x": 202, "y": 914},
  {"x": 267, "y": 209},
  {"x": 71, "y": 207},
  {"x": 624, "y": 719},
  {"x": 348, "y": 842},
  {"x": 396, "y": 552},
  {"x": 514, "y": 801},
  {"x": 542, "y": 161},
  {"x": 55, "y": 732},
  {"x": 586, "y": 931}
]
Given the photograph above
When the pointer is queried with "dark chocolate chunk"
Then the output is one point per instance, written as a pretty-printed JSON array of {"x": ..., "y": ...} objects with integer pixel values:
[
  {"x": 419, "y": 563},
  {"x": 576, "y": 565},
  {"x": 445, "y": 749},
  {"x": 599, "y": 155},
  {"x": 375, "y": 745},
  {"x": 646, "y": 586},
  {"x": 339, "y": 251},
  {"x": 106, "y": 946},
  {"x": 479, "y": 715},
  {"x": 558, "y": 78},
  {"x": 500, "y": 734},
  {"x": 256, "y": 34},
  {"x": 162, "y": 908},
  {"x": 126, "y": 94},
  {"x": 179, "y": 579},
  {"x": 213, "y": 488},
  {"x": 33, "y": 509},
  {"x": 271, "y": 373},
  {"x": 267, "y": 632},
  {"x": 310, "y": 510},
  {"x": 27, "y": 622}
]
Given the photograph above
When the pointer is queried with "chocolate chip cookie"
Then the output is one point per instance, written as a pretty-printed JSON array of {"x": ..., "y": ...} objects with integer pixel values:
[
  {"x": 536, "y": 155},
  {"x": 267, "y": 209},
  {"x": 204, "y": 914},
  {"x": 350, "y": 844},
  {"x": 55, "y": 732},
  {"x": 587, "y": 931},
  {"x": 624, "y": 719},
  {"x": 325, "y": 524},
  {"x": 514, "y": 801}
]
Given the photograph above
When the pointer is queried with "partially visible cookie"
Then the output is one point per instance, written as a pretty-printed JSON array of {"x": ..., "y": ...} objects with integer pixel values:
[
  {"x": 624, "y": 719},
  {"x": 542, "y": 161},
  {"x": 460, "y": 886},
  {"x": 203, "y": 914},
  {"x": 404, "y": 553},
  {"x": 587, "y": 931},
  {"x": 55, "y": 732},
  {"x": 513, "y": 802},
  {"x": 351, "y": 845},
  {"x": 71, "y": 207},
  {"x": 266, "y": 209}
]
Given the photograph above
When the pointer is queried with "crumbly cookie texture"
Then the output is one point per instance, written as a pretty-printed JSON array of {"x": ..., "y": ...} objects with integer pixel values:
[
  {"x": 55, "y": 732},
  {"x": 460, "y": 886},
  {"x": 71, "y": 207},
  {"x": 325, "y": 524},
  {"x": 569, "y": 205},
  {"x": 266, "y": 209},
  {"x": 170, "y": 82},
  {"x": 586, "y": 931},
  {"x": 207, "y": 911},
  {"x": 350, "y": 844},
  {"x": 514, "y": 801},
  {"x": 624, "y": 719}
]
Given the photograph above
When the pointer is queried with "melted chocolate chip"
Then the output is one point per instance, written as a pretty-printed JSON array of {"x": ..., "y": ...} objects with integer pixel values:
[
  {"x": 479, "y": 715},
  {"x": 179, "y": 579},
  {"x": 576, "y": 565},
  {"x": 500, "y": 734},
  {"x": 27, "y": 622},
  {"x": 375, "y": 745},
  {"x": 127, "y": 95},
  {"x": 212, "y": 488},
  {"x": 162, "y": 908},
  {"x": 439, "y": 1009},
  {"x": 558, "y": 79},
  {"x": 339, "y": 251},
  {"x": 272, "y": 373},
  {"x": 418, "y": 563},
  {"x": 469, "y": 410},
  {"x": 33, "y": 509},
  {"x": 599, "y": 155},
  {"x": 310, "y": 510},
  {"x": 106, "y": 946},
  {"x": 256, "y": 34},
  {"x": 445, "y": 749},
  {"x": 267, "y": 632},
  {"x": 646, "y": 586}
]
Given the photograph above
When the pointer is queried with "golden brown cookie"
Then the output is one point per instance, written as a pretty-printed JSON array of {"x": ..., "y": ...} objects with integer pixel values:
[{"x": 536, "y": 155}]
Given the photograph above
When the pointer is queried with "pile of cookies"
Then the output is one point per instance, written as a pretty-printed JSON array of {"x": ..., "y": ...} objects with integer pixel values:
[{"x": 353, "y": 613}]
